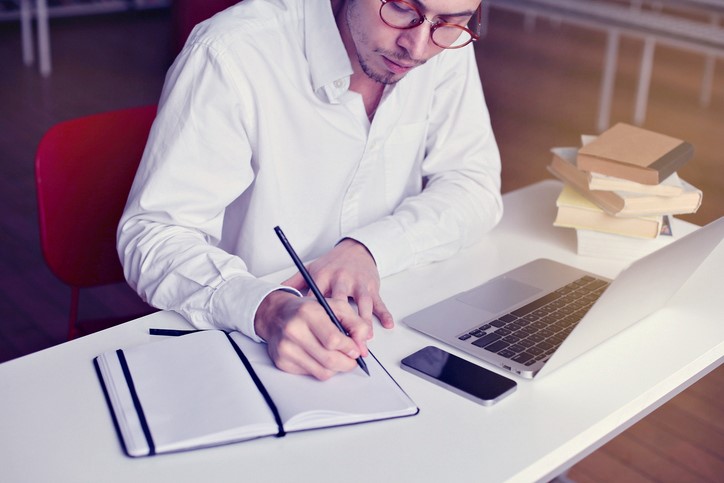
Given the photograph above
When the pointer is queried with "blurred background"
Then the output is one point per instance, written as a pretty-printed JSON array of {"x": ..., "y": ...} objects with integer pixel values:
[{"x": 542, "y": 76}]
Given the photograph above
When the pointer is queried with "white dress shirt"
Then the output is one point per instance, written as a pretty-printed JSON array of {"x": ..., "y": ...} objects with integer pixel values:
[{"x": 257, "y": 127}]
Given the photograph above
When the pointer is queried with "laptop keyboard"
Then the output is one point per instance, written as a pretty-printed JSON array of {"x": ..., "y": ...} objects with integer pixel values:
[{"x": 533, "y": 332}]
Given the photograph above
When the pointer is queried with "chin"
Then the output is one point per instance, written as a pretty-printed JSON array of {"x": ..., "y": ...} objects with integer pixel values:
[{"x": 383, "y": 76}]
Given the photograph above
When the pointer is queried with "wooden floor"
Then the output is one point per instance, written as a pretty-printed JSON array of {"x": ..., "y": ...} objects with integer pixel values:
[{"x": 542, "y": 89}]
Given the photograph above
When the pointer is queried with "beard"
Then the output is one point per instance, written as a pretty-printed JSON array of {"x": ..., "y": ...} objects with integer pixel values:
[
  {"x": 363, "y": 43},
  {"x": 387, "y": 78}
]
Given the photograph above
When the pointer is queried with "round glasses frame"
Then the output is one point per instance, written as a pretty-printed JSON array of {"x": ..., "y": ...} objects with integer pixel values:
[{"x": 434, "y": 26}]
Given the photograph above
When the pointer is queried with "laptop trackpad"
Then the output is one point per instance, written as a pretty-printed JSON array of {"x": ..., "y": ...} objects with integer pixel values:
[{"x": 498, "y": 295}]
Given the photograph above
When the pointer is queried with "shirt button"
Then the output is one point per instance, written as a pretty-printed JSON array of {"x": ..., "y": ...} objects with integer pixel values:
[{"x": 338, "y": 83}]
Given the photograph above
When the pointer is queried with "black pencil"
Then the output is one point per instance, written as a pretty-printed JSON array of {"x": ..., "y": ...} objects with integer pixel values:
[{"x": 313, "y": 286}]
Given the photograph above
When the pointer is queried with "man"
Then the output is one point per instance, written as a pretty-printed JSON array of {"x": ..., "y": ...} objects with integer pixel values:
[{"x": 351, "y": 125}]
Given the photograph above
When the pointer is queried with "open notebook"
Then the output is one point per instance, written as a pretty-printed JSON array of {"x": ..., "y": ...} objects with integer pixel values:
[{"x": 209, "y": 388}]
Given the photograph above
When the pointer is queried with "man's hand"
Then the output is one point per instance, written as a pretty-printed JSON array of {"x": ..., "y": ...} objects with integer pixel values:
[
  {"x": 302, "y": 340},
  {"x": 348, "y": 271}
]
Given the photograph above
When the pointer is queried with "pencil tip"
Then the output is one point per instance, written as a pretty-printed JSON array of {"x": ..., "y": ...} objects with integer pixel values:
[{"x": 363, "y": 366}]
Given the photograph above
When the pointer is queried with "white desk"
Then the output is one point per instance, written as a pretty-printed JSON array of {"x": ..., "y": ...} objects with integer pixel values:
[{"x": 55, "y": 426}]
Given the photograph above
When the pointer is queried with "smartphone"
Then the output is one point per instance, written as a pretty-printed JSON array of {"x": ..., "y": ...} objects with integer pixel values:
[{"x": 459, "y": 376}]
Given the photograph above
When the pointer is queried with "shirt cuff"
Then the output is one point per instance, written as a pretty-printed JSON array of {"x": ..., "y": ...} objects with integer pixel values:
[
  {"x": 388, "y": 245},
  {"x": 234, "y": 304}
]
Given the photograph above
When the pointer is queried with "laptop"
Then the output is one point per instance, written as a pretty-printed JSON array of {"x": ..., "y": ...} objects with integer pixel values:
[{"x": 540, "y": 316}]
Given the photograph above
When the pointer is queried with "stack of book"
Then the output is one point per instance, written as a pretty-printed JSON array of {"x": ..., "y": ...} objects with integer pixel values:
[{"x": 620, "y": 188}]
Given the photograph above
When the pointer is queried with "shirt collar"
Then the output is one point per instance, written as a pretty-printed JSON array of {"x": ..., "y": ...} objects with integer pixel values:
[{"x": 327, "y": 57}]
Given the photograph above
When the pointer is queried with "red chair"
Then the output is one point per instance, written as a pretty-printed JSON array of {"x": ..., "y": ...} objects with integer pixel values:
[{"x": 83, "y": 173}]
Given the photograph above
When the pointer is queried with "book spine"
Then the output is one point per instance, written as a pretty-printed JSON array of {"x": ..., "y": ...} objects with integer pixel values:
[{"x": 666, "y": 165}]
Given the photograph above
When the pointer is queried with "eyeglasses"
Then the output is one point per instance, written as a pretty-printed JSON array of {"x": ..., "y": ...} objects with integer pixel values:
[{"x": 403, "y": 15}]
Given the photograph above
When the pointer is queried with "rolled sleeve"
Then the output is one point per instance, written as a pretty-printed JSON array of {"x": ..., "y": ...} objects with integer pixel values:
[{"x": 234, "y": 304}]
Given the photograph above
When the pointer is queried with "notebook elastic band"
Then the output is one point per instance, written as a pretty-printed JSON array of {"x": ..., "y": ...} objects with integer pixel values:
[
  {"x": 136, "y": 402},
  {"x": 260, "y": 386}
]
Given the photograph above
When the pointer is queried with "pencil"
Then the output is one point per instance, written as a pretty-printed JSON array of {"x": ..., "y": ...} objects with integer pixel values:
[{"x": 313, "y": 286}]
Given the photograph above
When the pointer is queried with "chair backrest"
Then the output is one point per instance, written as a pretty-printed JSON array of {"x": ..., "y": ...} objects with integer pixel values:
[{"x": 84, "y": 169}]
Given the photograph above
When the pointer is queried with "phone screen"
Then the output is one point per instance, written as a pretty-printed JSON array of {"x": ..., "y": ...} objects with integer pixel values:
[{"x": 461, "y": 376}]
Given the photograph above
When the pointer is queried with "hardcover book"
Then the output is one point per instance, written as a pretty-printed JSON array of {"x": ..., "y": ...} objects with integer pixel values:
[
  {"x": 622, "y": 203},
  {"x": 633, "y": 153},
  {"x": 576, "y": 211},
  {"x": 210, "y": 388}
]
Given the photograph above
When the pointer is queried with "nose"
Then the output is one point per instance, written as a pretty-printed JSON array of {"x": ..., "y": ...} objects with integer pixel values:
[{"x": 416, "y": 41}]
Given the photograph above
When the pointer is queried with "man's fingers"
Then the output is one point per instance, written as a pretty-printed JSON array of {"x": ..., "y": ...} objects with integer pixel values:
[
  {"x": 341, "y": 289},
  {"x": 292, "y": 359},
  {"x": 383, "y": 315},
  {"x": 320, "y": 350},
  {"x": 311, "y": 343},
  {"x": 365, "y": 305},
  {"x": 296, "y": 281},
  {"x": 369, "y": 304},
  {"x": 358, "y": 329}
]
